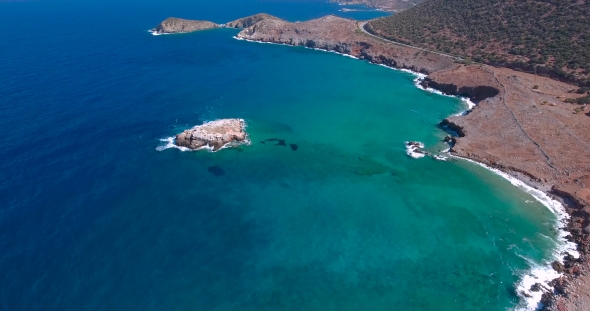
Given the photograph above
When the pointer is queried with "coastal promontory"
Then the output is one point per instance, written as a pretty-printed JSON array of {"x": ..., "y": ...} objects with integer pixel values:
[
  {"x": 214, "y": 135},
  {"x": 179, "y": 25},
  {"x": 248, "y": 21}
]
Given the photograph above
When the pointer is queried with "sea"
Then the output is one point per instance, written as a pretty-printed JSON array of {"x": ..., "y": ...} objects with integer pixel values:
[{"x": 324, "y": 210}]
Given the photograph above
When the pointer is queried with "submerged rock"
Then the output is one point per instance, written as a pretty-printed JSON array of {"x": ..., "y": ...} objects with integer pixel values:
[
  {"x": 216, "y": 170},
  {"x": 280, "y": 142},
  {"x": 214, "y": 135},
  {"x": 179, "y": 25}
]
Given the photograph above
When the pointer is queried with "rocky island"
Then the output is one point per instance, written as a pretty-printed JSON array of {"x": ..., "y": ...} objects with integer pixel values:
[
  {"x": 214, "y": 135},
  {"x": 178, "y": 25}
]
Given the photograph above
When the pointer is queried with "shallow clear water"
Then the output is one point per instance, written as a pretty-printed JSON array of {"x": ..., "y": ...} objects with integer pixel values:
[{"x": 94, "y": 217}]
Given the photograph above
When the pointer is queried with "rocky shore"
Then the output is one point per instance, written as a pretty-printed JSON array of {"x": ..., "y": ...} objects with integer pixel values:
[
  {"x": 521, "y": 126},
  {"x": 214, "y": 135}
]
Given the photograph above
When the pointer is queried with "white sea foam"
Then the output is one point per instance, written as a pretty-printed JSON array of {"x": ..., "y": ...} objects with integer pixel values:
[
  {"x": 440, "y": 157},
  {"x": 170, "y": 144},
  {"x": 317, "y": 49},
  {"x": 243, "y": 39},
  {"x": 417, "y": 82},
  {"x": 415, "y": 151},
  {"x": 539, "y": 273}
]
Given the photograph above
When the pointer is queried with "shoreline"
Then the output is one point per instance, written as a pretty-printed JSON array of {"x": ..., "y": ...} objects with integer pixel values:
[{"x": 543, "y": 274}]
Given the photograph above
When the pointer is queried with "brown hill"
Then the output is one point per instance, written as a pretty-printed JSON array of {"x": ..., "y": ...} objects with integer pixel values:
[
  {"x": 547, "y": 37},
  {"x": 385, "y": 5}
]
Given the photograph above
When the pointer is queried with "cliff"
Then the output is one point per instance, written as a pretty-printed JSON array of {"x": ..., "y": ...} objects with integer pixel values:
[{"x": 179, "y": 25}]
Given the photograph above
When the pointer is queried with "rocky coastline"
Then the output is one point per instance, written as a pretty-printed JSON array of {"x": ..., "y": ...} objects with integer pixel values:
[
  {"x": 520, "y": 126},
  {"x": 214, "y": 135}
]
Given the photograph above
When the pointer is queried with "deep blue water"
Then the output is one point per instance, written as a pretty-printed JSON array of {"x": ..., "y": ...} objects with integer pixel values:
[{"x": 94, "y": 217}]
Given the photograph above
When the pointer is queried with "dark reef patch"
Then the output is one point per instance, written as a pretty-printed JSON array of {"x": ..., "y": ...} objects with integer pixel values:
[
  {"x": 294, "y": 147},
  {"x": 216, "y": 170},
  {"x": 280, "y": 142}
]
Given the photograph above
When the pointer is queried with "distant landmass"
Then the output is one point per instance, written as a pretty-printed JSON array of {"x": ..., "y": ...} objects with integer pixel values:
[
  {"x": 179, "y": 25},
  {"x": 550, "y": 37},
  {"x": 173, "y": 25},
  {"x": 385, "y": 5}
]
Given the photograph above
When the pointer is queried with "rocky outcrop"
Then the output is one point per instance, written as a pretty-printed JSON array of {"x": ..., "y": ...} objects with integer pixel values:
[
  {"x": 246, "y": 22},
  {"x": 474, "y": 93},
  {"x": 214, "y": 135},
  {"x": 178, "y": 25}
]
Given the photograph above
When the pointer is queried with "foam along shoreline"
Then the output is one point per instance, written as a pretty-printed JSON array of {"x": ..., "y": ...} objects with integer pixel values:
[
  {"x": 171, "y": 145},
  {"x": 317, "y": 49},
  {"x": 544, "y": 273}
]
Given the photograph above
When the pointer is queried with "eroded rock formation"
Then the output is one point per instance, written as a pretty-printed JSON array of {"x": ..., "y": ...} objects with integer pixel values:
[{"x": 214, "y": 135}]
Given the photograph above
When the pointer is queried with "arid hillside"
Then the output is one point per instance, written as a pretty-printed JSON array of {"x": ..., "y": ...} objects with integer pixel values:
[
  {"x": 385, "y": 5},
  {"x": 546, "y": 37}
]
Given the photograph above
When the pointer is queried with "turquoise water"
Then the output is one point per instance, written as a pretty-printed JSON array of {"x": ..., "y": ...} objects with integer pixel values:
[{"x": 94, "y": 217}]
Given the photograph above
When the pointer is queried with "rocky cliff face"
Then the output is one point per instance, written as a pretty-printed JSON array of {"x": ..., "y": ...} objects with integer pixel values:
[
  {"x": 246, "y": 22},
  {"x": 214, "y": 135},
  {"x": 179, "y": 25}
]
